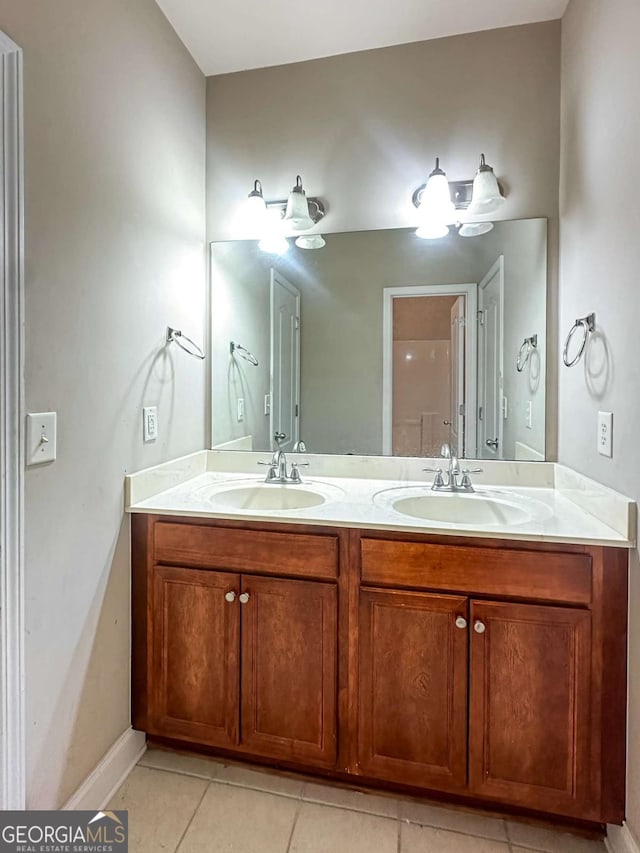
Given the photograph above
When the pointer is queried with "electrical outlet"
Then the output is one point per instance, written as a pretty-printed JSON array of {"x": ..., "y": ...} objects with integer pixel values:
[
  {"x": 240, "y": 414},
  {"x": 528, "y": 417},
  {"x": 150, "y": 423},
  {"x": 41, "y": 438},
  {"x": 605, "y": 433}
]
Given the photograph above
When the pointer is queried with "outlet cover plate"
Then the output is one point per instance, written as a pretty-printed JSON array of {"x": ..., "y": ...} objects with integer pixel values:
[
  {"x": 605, "y": 433},
  {"x": 149, "y": 423}
]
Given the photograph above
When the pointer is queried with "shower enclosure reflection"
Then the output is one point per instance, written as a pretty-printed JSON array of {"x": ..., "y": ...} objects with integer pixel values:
[{"x": 383, "y": 343}]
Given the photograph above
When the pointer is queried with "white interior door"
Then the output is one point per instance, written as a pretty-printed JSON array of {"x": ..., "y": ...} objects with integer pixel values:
[
  {"x": 285, "y": 362},
  {"x": 457, "y": 355},
  {"x": 490, "y": 362}
]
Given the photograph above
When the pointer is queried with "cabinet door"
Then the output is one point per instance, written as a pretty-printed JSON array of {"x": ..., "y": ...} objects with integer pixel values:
[
  {"x": 530, "y": 705},
  {"x": 413, "y": 688},
  {"x": 289, "y": 641},
  {"x": 195, "y": 643}
]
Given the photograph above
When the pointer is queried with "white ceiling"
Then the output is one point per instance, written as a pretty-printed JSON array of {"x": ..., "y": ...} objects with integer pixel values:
[{"x": 234, "y": 35}]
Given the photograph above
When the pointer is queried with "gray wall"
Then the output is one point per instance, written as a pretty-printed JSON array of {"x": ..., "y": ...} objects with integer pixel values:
[
  {"x": 115, "y": 150},
  {"x": 600, "y": 257},
  {"x": 363, "y": 130}
]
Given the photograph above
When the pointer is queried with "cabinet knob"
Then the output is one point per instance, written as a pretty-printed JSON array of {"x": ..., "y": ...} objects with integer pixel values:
[
  {"x": 230, "y": 596},
  {"x": 244, "y": 597},
  {"x": 461, "y": 622},
  {"x": 479, "y": 627}
]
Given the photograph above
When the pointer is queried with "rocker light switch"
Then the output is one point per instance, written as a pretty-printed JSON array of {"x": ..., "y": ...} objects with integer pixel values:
[{"x": 41, "y": 438}]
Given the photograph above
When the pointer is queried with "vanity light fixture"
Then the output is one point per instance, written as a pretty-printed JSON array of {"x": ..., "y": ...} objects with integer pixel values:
[
  {"x": 297, "y": 215},
  {"x": 311, "y": 241},
  {"x": 486, "y": 196}
]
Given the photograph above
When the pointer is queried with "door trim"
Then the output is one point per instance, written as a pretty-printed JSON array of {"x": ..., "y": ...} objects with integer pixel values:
[
  {"x": 293, "y": 290},
  {"x": 496, "y": 268},
  {"x": 470, "y": 291},
  {"x": 12, "y": 681}
]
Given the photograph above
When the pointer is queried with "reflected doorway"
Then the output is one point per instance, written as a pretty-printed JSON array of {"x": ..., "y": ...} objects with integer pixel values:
[{"x": 430, "y": 369}]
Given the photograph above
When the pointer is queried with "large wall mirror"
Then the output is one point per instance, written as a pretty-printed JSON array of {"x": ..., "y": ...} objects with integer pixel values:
[{"x": 382, "y": 343}]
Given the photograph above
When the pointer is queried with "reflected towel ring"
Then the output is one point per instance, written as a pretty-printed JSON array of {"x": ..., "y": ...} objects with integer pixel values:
[
  {"x": 588, "y": 325},
  {"x": 243, "y": 353},
  {"x": 192, "y": 348},
  {"x": 528, "y": 346}
]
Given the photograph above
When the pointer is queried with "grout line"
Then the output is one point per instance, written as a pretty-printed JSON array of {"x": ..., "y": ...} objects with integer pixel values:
[
  {"x": 293, "y": 826},
  {"x": 195, "y": 811}
]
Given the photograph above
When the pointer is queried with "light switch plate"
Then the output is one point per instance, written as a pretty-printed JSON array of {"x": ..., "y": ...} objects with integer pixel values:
[
  {"x": 605, "y": 433},
  {"x": 240, "y": 412},
  {"x": 150, "y": 423},
  {"x": 528, "y": 416},
  {"x": 41, "y": 437}
]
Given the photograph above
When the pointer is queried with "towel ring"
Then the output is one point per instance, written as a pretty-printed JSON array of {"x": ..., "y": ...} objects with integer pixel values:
[
  {"x": 588, "y": 325},
  {"x": 528, "y": 346},
  {"x": 175, "y": 336},
  {"x": 243, "y": 353}
]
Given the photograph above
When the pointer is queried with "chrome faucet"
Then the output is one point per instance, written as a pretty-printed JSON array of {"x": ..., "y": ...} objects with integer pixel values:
[
  {"x": 277, "y": 473},
  {"x": 452, "y": 484}
]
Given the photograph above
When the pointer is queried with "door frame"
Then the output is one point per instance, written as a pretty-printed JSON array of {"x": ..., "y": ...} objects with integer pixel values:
[
  {"x": 470, "y": 291},
  {"x": 284, "y": 282},
  {"x": 12, "y": 318},
  {"x": 496, "y": 268}
]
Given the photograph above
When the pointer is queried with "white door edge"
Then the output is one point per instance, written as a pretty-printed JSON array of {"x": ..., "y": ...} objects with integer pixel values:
[
  {"x": 12, "y": 681},
  {"x": 470, "y": 290}
]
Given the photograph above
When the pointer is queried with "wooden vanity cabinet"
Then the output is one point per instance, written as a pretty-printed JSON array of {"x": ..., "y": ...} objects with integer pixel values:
[
  {"x": 236, "y": 660},
  {"x": 491, "y": 670}
]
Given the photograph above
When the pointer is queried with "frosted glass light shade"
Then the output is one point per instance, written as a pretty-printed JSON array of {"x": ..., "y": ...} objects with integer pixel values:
[
  {"x": 486, "y": 196},
  {"x": 432, "y": 229},
  {"x": 255, "y": 209},
  {"x": 311, "y": 241},
  {"x": 436, "y": 204},
  {"x": 273, "y": 239},
  {"x": 475, "y": 229},
  {"x": 297, "y": 214}
]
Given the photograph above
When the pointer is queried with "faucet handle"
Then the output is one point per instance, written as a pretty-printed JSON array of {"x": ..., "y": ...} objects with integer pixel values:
[
  {"x": 433, "y": 470},
  {"x": 472, "y": 470},
  {"x": 272, "y": 473},
  {"x": 295, "y": 473}
]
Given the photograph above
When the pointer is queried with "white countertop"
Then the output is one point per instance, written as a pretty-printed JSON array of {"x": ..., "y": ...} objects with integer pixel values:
[{"x": 565, "y": 507}]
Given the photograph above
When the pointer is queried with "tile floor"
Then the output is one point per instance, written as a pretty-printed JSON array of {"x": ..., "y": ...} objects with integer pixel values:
[{"x": 186, "y": 804}]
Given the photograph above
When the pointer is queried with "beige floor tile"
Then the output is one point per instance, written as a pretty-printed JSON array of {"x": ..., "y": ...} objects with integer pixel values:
[
  {"x": 238, "y": 820},
  {"x": 427, "y": 839},
  {"x": 177, "y": 762},
  {"x": 536, "y": 838},
  {"x": 459, "y": 821},
  {"x": 360, "y": 801},
  {"x": 160, "y": 806},
  {"x": 234, "y": 774},
  {"x": 323, "y": 829}
]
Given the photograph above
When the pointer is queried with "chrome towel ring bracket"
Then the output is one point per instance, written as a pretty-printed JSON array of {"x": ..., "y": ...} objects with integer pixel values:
[
  {"x": 175, "y": 336},
  {"x": 243, "y": 353},
  {"x": 528, "y": 346},
  {"x": 588, "y": 325}
]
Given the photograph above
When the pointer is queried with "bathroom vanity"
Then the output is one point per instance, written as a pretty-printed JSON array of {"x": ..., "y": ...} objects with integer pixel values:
[{"x": 482, "y": 665}]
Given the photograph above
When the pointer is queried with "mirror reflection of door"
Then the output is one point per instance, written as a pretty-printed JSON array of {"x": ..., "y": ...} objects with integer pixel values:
[
  {"x": 285, "y": 362},
  {"x": 432, "y": 368},
  {"x": 490, "y": 363}
]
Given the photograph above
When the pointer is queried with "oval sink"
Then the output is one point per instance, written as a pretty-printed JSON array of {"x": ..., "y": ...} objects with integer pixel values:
[
  {"x": 259, "y": 497},
  {"x": 462, "y": 509}
]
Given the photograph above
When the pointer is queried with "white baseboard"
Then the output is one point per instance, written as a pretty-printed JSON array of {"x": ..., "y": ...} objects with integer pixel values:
[
  {"x": 620, "y": 840},
  {"x": 105, "y": 779}
]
